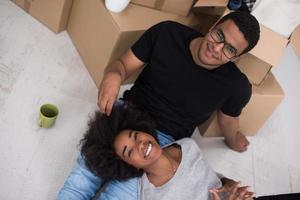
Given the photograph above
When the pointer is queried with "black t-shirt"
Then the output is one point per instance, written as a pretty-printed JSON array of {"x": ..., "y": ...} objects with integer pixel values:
[{"x": 175, "y": 91}]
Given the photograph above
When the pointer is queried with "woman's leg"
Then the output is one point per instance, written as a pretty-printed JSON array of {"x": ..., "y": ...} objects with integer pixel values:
[{"x": 81, "y": 184}]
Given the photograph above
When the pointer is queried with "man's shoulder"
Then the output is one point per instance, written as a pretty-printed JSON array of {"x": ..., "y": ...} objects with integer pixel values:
[
  {"x": 238, "y": 79},
  {"x": 171, "y": 24},
  {"x": 175, "y": 27},
  {"x": 188, "y": 143},
  {"x": 237, "y": 72}
]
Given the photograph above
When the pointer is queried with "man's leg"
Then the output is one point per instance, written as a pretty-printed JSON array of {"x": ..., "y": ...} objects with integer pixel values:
[
  {"x": 81, "y": 184},
  {"x": 120, "y": 190},
  {"x": 117, "y": 190}
]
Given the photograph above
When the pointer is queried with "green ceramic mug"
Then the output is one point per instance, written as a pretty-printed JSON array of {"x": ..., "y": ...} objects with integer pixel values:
[{"x": 48, "y": 115}]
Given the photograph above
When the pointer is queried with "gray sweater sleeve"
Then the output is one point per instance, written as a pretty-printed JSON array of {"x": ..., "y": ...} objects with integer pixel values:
[{"x": 192, "y": 180}]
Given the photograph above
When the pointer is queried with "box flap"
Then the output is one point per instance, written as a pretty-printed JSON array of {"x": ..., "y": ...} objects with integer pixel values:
[
  {"x": 295, "y": 41},
  {"x": 270, "y": 46},
  {"x": 254, "y": 68},
  {"x": 128, "y": 20},
  {"x": 147, "y": 3},
  {"x": 269, "y": 87},
  {"x": 181, "y": 7},
  {"x": 208, "y": 3}
]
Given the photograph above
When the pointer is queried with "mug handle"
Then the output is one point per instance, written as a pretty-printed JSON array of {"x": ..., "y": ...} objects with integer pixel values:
[{"x": 40, "y": 121}]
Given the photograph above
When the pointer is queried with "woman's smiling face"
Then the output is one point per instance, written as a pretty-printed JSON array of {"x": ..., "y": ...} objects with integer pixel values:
[{"x": 137, "y": 148}]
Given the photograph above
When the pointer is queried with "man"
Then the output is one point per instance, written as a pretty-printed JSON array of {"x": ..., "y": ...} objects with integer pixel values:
[{"x": 186, "y": 78}]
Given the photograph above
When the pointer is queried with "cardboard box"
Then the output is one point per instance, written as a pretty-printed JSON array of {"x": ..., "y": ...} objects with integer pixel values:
[
  {"x": 209, "y": 3},
  {"x": 270, "y": 47},
  {"x": 23, "y": 4},
  {"x": 211, "y": 7},
  {"x": 262, "y": 103},
  {"x": 101, "y": 36},
  {"x": 52, "y": 13},
  {"x": 295, "y": 41},
  {"x": 179, "y": 7},
  {"x": 255, "y": 69}
]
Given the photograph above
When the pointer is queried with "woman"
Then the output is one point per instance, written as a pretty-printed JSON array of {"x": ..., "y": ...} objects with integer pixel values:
[{"x": 124, "y": 145}]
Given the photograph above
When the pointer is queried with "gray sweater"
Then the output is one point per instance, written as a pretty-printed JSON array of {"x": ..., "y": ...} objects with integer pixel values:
[{"x": 192, "y": 180}]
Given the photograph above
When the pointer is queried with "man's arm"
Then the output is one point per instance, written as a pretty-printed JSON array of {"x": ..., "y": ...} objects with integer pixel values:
[
  {"x": 230, "y": 128},
  {"x": 114, "y": 75}
]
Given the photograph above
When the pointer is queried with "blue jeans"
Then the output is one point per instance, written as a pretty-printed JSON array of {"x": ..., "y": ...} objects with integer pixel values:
[{"x": 82, "y": 184}]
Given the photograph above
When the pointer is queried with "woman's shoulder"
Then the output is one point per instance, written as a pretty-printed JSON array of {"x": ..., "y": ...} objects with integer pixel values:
[
  {"x": 186, "y": 141},
  {"x": 185, "y": 144}
]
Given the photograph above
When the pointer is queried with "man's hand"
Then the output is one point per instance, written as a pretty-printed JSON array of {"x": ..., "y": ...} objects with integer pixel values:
[
  {"x": 230, "y": 128},
  {"x": 239, "y": 143},
  {"x": 108, "y": 92},
  {"x": 234, "y": 191},
  {"x": 115, "y": 73}
]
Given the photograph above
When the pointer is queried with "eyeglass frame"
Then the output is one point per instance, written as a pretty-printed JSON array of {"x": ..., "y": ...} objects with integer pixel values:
[{"x": 226, "y": 44}]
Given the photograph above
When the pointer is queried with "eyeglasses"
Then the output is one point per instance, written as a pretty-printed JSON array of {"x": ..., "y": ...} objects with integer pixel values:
[{"x": 229, "y": 51}]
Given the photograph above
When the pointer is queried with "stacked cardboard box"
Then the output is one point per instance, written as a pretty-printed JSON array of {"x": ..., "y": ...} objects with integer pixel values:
[
  {"x": 52, "y": 13},
  {"x": 101, "y": 36}
]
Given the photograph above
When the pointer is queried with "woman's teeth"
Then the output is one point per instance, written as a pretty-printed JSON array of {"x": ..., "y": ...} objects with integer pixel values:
[{"x": 149, "y": 148}]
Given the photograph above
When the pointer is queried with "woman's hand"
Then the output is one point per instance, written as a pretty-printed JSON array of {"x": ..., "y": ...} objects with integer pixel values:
[{"x": 234, "y": 191}]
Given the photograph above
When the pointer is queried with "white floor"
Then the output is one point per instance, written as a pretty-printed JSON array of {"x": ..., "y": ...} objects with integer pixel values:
[{"x": 37, "y": 66}]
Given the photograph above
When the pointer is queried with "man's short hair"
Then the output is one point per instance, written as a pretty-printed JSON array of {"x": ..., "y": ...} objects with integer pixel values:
[
  {"x": 98, "y": 142},
  {"x": 247, "y": 24}
]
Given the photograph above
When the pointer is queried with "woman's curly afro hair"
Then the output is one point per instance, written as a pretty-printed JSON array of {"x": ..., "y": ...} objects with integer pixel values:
[{"x": 98, "y": 142}]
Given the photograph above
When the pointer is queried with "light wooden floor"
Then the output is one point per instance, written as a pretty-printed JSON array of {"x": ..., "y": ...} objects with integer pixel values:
[{"x": 37, "y": 66}]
